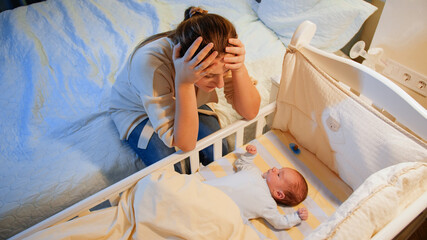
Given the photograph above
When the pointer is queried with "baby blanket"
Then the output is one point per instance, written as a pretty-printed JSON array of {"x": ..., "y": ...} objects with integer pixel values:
[{"x": 162, "y": 205}]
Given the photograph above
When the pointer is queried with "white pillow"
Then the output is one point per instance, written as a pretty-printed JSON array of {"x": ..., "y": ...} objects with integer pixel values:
[
  {"x": 337, "y": 21},
  {"x": 375, "y": 203}
]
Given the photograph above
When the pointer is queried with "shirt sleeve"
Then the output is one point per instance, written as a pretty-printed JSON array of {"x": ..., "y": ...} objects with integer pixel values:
[
  {"x": 153, "y": 82},
  {"x": 280, "y": 221},
  {"x": 245, "y": 161}
]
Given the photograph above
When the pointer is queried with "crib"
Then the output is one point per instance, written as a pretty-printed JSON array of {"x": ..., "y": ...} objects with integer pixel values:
[
  {"x": 59, "y": 60},
  {"x": 339, "y": 199}
]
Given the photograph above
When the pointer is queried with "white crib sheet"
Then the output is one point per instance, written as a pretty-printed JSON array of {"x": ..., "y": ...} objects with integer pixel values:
[{"x": 58, "y": 61}]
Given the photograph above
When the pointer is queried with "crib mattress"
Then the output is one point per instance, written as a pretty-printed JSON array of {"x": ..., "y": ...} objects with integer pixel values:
[{"x": 326, "y": 191}]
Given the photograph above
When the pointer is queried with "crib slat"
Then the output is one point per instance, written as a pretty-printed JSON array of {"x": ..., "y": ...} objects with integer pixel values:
[
  {"x": 218, "y": 149},
  {"x": 239, "y": 138},
  {"x": 114, "y": 201},
  {"x": 259, "y": 127},
  {"x": 194, "y": 161}
]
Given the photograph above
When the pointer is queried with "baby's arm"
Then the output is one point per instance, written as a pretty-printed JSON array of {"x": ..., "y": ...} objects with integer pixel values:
[
  {"x": 287, "y": 221},
  {"x": 246, "y": 159}
]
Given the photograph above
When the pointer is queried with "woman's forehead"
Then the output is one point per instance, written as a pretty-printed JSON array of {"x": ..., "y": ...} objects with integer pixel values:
[{"x": 219, "y": 67}]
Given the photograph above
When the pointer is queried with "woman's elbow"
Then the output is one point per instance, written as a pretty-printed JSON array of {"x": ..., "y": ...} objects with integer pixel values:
[
  {"x": 185, "y": 146},
  {"x": 249, "y": 110},
  {"x": 251, "y": 115}
]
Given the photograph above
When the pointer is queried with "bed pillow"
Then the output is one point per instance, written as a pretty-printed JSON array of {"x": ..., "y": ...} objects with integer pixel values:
[
  {"x": 375, "y": 203},
  {"x": 337, "y": 20}
]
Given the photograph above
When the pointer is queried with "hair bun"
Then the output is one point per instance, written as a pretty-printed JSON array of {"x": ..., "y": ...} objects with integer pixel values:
[{"x": 193, "y": 11}]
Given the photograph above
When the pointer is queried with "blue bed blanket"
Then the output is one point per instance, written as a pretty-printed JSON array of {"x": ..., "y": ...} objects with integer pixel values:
[{"x": 58, "y": 61}]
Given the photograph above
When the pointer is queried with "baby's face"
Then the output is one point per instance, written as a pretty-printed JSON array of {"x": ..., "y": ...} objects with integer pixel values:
[{"x": 279, "y": 179}]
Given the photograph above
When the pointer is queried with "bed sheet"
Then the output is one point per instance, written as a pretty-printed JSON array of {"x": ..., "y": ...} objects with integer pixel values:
[
  {"x": 58, "y": 61},
  {"x": 326, "y": 191}
]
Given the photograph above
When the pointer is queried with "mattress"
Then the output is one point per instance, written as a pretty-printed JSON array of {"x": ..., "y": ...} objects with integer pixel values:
[{"x": 326, "y": 191}]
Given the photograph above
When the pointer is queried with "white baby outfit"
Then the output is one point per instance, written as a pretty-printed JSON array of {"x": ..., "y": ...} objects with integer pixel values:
[{"x": 249, "y": 190}]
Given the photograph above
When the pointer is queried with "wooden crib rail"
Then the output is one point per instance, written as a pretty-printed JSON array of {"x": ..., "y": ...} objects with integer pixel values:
[{"x": 112, "y": 193}]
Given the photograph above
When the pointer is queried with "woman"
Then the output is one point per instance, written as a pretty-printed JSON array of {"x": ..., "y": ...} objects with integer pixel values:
[{"x": 159, "y": 101}]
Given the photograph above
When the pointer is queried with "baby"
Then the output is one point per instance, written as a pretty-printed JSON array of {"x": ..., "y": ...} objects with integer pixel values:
[{"x": 257, "y": 193}]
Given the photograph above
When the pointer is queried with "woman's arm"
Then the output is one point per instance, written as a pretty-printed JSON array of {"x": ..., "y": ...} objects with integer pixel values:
[
  {"x": 186, "y": 124},
  {"x": 246, "y": 99},
  {"x": 188, "y": 70}
]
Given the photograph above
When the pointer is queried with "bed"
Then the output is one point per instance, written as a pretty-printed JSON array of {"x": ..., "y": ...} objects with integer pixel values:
[
  {"x": 371, "y": 187},
  {"x": 58, "y": 63}
]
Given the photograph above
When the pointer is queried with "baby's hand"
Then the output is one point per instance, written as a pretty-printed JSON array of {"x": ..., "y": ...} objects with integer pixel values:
[
  {"x": 251, "y": 149},
  {"x": 302, "y": 213}
]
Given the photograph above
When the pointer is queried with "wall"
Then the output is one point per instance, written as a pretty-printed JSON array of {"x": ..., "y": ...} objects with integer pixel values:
[
  {"x": 367, "y": 30},
  {"x": 402, "y": 33},
  {"x": 369, "y": 27}
]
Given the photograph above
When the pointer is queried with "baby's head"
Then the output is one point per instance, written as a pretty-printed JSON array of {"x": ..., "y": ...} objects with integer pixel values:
[{"x": 287, "y": 186}]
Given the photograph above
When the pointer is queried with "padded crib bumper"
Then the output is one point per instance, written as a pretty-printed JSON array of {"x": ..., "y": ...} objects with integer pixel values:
[{"x": 347, "y": 134}]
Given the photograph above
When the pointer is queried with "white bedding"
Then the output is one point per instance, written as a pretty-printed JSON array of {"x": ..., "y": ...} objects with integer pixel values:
[
  {"x": 58, "y": 61},
  {"x": 163, "y": 205}
]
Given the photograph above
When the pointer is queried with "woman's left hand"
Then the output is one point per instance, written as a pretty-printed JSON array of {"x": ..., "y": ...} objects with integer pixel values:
[{"x": 235, "y": 55}]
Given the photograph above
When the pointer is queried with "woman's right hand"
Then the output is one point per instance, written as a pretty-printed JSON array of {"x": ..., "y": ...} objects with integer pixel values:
[{"x": 189, "y": 69}]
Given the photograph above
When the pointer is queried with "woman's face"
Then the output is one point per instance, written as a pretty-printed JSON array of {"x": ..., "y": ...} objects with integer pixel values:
[{"x": 215, "y": 77}]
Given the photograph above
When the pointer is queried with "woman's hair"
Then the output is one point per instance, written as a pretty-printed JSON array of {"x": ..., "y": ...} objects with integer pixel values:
[{"x": 198, "y": 22}]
